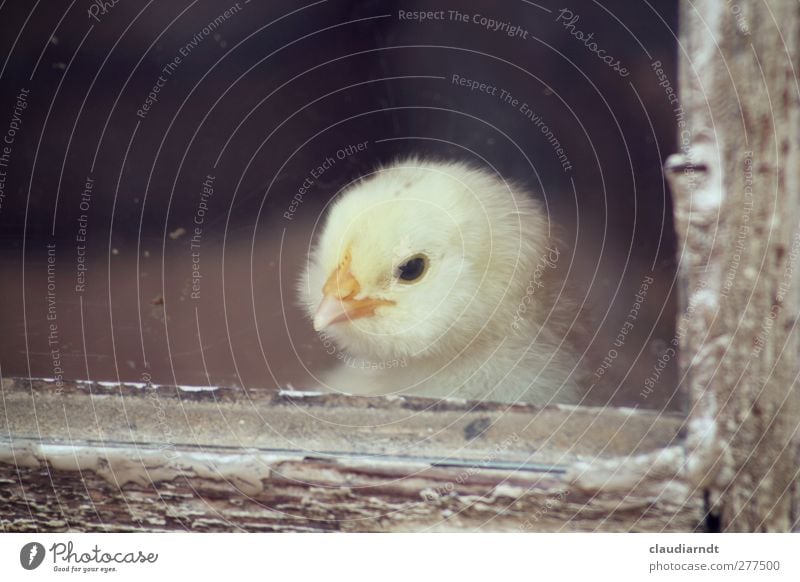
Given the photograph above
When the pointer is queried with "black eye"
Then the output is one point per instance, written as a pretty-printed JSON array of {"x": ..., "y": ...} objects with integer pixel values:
[{"x": 413, "y": 268}]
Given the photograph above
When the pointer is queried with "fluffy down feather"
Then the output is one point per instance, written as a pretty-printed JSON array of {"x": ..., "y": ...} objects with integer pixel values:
[{"x": 440, "y": 279}]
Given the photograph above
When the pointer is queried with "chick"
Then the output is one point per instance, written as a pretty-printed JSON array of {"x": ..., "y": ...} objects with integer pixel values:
[{"x": 440, "y": 279}]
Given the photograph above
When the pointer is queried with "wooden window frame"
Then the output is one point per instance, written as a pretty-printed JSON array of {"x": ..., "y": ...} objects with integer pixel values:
[{"x": 110, "y": 457}]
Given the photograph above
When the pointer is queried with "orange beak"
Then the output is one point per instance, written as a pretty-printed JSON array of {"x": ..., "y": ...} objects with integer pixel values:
[{"x": 339, "y": 302}]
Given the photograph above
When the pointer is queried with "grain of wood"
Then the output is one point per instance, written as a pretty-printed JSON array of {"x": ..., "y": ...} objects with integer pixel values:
[
  {"x": 737, "y": 209},
  {"x": 96, "y": 458}
]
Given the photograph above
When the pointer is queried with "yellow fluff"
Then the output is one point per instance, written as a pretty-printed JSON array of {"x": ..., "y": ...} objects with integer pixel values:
[{"x": 442, "y": 280}]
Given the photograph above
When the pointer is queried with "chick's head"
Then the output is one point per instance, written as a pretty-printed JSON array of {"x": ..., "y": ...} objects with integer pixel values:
[{"x": 421, "y": 258}]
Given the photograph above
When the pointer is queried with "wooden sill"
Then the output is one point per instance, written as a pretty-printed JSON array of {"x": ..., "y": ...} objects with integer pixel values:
[{"x": 133, "y": 457}]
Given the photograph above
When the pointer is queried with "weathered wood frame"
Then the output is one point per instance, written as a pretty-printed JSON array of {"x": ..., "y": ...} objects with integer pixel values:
[
  {"x": 736, "y": 186},
  {"x": 87, "y": 456},
  {"x": 94, "y": 456}
]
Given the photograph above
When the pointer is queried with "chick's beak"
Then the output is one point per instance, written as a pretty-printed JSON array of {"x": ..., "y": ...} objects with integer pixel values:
[{"x": 339, "y": 302}]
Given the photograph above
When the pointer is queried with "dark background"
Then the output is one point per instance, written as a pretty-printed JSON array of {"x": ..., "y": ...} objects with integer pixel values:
[{"x": 267, "y": 96}]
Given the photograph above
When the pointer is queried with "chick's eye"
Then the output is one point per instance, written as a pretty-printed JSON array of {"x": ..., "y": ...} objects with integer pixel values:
[{"x": 413, "y": 268}]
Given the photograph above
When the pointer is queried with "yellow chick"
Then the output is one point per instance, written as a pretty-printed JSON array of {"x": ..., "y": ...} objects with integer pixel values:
[{"x": 439, "y": 279}]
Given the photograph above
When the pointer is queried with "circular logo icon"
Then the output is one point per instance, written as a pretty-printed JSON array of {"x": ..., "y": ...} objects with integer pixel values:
[{"x": 31, "y": 555}]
